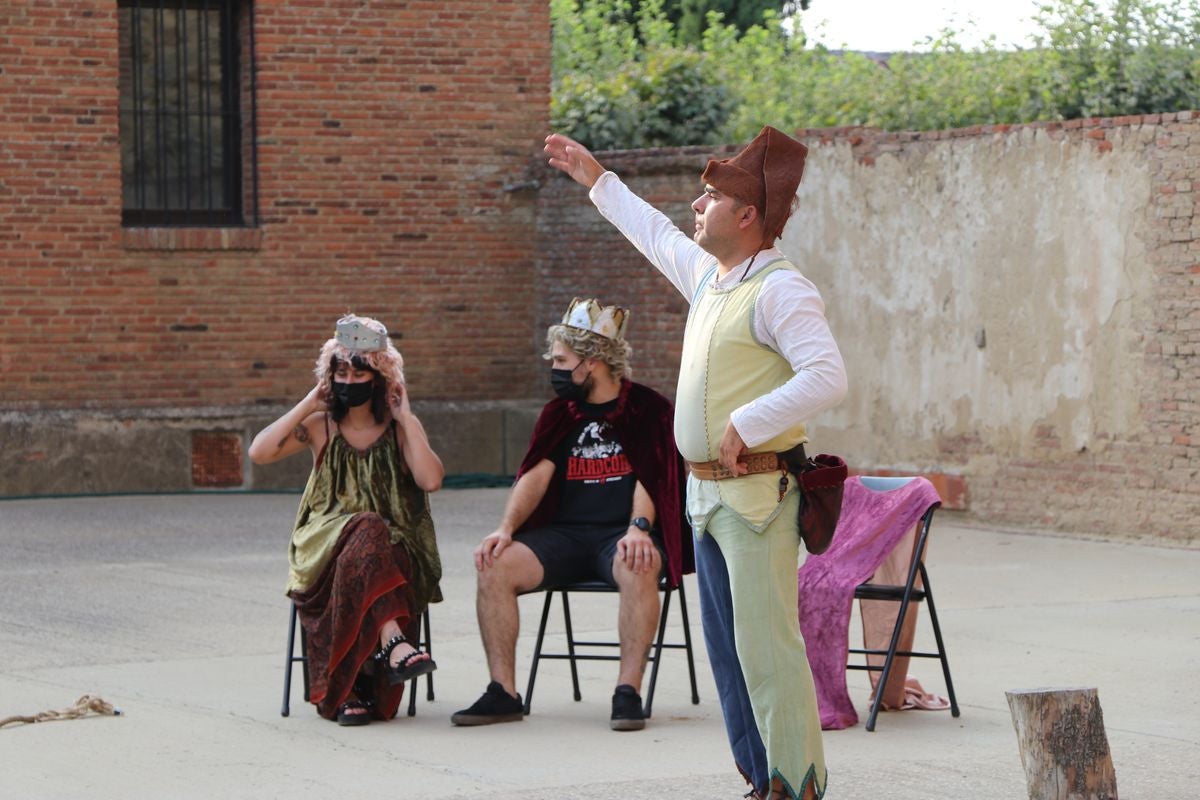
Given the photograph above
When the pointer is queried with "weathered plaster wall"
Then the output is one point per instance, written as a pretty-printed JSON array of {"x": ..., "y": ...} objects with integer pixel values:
[
  {"x": 1018, "y": 307},
  {"x": 982, "y": 288}
]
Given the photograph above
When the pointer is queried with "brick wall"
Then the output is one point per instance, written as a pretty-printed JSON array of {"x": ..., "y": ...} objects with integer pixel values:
[
  {"x": 390, "y": 136},
  {"x": 393, "y": 146}
]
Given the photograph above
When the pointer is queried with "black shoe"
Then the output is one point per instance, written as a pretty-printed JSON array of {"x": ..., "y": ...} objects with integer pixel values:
[
  {"x": 627, "y": 712},
  {"x": 496, "y": 705}
]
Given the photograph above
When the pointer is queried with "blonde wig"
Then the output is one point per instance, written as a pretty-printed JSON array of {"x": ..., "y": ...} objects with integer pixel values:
[{"x": 616, "y": 353}]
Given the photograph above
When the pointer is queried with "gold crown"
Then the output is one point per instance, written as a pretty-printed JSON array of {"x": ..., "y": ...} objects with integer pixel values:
[
  {"x": 590, "y": 316},
  {"x": 354, "y": 334}
]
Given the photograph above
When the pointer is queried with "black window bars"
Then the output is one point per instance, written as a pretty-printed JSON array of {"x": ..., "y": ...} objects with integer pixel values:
[{"x": 181, "y": 113}]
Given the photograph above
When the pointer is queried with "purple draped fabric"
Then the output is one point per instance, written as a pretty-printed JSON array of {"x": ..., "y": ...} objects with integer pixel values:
[{"x": 871, "y": 524}]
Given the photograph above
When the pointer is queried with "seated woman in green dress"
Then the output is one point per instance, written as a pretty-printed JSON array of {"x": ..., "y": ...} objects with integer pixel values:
[{"x": 364, "y": 559}]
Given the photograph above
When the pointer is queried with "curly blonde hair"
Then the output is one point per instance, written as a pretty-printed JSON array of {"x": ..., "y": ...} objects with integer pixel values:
[{"x": 616, "y": 353}]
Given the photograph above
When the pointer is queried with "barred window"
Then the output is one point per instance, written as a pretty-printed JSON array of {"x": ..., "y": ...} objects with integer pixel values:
[{"x": 180, "y": 112}]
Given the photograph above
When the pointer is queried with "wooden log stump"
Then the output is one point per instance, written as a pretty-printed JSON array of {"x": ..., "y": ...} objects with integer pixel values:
[{"x": 1064, "y": 749}]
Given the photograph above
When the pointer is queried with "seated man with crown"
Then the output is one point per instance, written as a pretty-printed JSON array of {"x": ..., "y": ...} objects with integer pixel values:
[
  {"x": 598, "y": 497},
  {"x": 364, "y": 558}
]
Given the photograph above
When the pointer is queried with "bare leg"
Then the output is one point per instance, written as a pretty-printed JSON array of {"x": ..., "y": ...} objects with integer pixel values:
[
  {"x": 637, "y": 619},
  {"x": 516, "y": 570}
]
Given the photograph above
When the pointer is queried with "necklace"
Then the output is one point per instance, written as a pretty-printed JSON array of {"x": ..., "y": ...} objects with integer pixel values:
[{"x": 746, "y": 271}]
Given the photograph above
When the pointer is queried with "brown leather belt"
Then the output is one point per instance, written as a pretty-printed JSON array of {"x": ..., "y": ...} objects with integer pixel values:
[{"x": 756, "y": 463}]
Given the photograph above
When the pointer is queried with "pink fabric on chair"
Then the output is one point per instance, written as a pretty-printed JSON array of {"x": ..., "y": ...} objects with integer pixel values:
[{"x": 871, "y": 524}]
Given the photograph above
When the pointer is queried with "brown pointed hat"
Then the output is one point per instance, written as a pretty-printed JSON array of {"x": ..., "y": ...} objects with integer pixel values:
[{"x": 765, "y": 175}]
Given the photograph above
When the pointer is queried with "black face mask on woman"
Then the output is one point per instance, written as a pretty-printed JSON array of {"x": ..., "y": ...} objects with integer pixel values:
[
  {"x": 353, "y": 394},
  {"x": 566, "y": 388}
]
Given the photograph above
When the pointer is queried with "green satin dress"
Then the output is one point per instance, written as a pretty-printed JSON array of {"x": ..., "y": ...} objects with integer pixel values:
[{"x": 347, "y": 481}]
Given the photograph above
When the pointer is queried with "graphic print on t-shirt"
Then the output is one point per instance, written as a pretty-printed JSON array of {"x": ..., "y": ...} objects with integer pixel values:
[
  {"x": 597, "y": 480},
  {"x": 596, "y": 458}
]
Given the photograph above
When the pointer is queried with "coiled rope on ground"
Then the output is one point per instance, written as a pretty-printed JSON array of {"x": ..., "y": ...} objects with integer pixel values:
[{"x": 88, "y": 704}]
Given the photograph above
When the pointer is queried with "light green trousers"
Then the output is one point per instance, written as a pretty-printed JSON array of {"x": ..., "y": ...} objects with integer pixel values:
[{"x": 761, "y": 571}]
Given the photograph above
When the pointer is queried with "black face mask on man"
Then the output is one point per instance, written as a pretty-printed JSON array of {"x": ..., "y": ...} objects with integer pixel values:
[
  {"x": 565, "y": 387},
  {"x": 353, "y": 394}
]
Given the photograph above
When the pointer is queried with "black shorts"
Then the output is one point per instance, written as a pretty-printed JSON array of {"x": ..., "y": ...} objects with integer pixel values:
[{"x": 573, "y": 553}]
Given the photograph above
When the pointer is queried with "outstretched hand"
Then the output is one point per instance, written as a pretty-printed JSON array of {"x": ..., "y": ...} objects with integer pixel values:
[{"x": 574, "y": 159}]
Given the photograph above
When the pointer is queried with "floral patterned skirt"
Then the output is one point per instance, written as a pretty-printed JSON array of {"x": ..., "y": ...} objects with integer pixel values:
[{"x": 365, "y": 584}]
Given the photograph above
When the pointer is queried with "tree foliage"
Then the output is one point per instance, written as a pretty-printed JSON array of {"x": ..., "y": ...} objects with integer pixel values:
[
  {"x": 627, "y": 77},
  {"x": 690, "y": 17},
  {"x": 633, "y": 87}
]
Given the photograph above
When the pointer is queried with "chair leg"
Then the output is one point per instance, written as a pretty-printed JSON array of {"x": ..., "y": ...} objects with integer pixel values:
[
  {"x": 423, "y": 640},
  {"x": 286, "y": 709},
  {"x": 891, "y": 654},
  {"x": 570, "y": 643},
  {"x": 428, "y": 649},
  {"x": 658, "y": 648},
  {"x": 941, "y": 648},
  {"x": 687, "y": 641},
  {"x": 537, "y": 651}
]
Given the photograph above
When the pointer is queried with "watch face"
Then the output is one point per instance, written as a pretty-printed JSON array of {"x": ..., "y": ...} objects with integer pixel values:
[{"x": 641, "y": 523}]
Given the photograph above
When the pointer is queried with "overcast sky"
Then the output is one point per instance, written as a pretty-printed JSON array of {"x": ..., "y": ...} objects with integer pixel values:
[{"x": 891, "y": 25}]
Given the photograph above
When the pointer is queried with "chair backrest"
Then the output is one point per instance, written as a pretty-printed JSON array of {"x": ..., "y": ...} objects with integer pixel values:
[{"x": 878, "y": 483}]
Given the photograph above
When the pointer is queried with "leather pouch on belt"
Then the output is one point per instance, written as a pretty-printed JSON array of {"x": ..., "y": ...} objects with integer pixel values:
[{"x": 821, "y": 480}]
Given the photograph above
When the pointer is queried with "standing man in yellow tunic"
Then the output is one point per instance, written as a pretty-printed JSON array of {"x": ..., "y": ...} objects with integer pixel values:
[{"x": 758, "y": 359}]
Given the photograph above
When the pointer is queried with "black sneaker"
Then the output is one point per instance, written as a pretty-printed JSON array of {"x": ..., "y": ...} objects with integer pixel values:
[
  {"x": 627, "y": 712},
  {"x": 496, "y": 705}
]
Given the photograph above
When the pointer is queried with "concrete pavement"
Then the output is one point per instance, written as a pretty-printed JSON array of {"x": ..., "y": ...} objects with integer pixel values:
[{"x": 171, "y": 607}]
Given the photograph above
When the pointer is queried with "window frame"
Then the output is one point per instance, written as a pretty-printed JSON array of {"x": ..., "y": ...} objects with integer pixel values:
[{"x": 230, "y": 177}]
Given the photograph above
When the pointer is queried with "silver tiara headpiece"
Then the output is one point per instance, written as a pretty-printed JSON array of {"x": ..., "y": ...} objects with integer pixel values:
[{"x": 353, "y": 335}]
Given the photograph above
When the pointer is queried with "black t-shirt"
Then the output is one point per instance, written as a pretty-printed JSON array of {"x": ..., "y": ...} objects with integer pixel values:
[{"x": 596, "y": 481}]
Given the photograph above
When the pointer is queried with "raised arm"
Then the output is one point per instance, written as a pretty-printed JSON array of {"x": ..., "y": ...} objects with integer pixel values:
[
  {"x": 426, "y": 467},
  {"x": 670, "y": 250},
  {"x": 294, "y": 431}
]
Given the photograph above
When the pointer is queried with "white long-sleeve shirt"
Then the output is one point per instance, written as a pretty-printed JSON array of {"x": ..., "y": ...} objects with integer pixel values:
[{"x": 789, "y": 315}]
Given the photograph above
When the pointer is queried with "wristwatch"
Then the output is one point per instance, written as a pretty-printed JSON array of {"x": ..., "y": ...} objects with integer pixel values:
[{"x": 641, "y": 523}]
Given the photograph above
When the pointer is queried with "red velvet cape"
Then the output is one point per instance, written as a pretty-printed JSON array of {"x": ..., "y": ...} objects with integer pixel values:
[{"x": 643, "y": 423}]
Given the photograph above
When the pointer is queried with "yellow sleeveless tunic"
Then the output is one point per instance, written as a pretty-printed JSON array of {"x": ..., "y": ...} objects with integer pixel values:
[{"x": 716, "y": 381}]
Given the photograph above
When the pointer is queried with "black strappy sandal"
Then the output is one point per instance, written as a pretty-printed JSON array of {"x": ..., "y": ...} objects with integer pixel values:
[
  {"x": 363, "y": 717},
  {"x": 409, "y": 667}
]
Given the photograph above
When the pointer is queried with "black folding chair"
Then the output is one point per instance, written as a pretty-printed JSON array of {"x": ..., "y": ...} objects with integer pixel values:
[
  {"x": 600, "y": 587},
  {"x": 292, "y": 659},
  {"x": 911, "y": 592}
]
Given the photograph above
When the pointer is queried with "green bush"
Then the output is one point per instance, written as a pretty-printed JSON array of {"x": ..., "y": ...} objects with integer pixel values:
[{"x": 665, "y": 95}]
